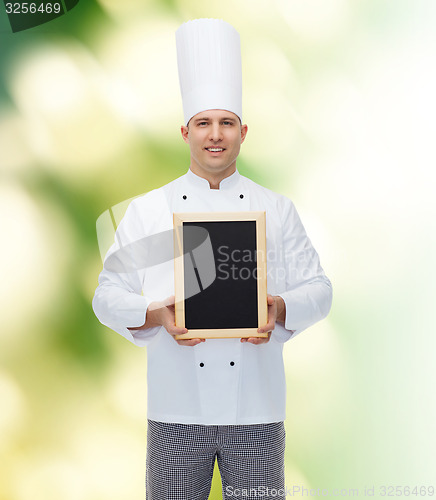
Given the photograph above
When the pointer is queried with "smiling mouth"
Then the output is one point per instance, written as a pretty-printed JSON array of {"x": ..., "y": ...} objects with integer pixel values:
[{"x": 214, "y": 150}]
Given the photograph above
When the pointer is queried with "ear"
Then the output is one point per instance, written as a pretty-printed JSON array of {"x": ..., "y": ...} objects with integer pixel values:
[
  {"x": 244, "y": 130},
  {"x": 185, "y": 131}
]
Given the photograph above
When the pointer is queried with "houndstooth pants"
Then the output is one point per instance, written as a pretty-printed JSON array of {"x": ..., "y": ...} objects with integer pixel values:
[{"x": 181, "y": 458}]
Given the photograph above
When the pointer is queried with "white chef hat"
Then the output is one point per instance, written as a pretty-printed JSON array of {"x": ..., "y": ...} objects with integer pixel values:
[{"x": 209, "y": 62}]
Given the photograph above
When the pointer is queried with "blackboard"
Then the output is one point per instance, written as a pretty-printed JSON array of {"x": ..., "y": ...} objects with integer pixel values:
[{"x": 220, "y": 274}]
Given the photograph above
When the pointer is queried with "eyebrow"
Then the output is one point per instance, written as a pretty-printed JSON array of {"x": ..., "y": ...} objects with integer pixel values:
[{"x": 207, "y": 118}]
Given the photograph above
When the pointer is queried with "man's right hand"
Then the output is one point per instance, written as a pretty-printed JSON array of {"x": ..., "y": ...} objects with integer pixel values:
[{"x": 162, "y": 313}]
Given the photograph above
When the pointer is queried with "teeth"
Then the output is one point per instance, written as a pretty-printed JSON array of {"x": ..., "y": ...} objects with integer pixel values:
[{"x": 215, "y": 150}]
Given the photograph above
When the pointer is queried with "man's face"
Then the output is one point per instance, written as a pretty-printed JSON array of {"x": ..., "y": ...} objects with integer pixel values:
[{"x": 214, "y": 137}]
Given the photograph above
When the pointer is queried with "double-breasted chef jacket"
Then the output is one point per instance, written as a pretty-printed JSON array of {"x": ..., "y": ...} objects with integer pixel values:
[{"x": 219, "y": 381}]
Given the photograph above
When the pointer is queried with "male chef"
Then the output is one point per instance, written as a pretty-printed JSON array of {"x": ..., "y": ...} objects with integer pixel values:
[{"x": 219, "y": 399}]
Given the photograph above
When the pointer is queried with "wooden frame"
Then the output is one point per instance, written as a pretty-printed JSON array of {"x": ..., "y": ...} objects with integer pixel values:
[{"x": 187, "y": 219}]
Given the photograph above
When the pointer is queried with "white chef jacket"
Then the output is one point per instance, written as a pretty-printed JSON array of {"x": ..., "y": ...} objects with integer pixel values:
[{"x": 219, "y": 381}]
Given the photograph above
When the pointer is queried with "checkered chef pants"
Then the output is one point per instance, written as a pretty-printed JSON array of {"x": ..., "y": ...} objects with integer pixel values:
[{"x": 181, "y": 457}]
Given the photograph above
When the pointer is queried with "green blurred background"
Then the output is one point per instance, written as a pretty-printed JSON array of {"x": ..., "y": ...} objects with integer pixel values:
[{"x": 340, "y": 101}]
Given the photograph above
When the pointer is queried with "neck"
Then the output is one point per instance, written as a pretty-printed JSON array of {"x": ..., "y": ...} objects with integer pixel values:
[{"x": 214, "y": 179}]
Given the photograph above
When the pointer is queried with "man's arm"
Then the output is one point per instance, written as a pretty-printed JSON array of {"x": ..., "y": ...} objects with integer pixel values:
[
  {"x": 308, "y": 295},
  {"x": 117, "y": 301}
]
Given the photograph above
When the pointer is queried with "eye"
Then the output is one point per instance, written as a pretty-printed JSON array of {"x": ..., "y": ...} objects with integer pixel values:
[
  {"x": 202, "y": 124},
  {"x": 227, "y": 123}
]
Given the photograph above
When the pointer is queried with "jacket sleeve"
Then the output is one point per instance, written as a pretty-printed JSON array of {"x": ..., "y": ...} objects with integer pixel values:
[
  {"x": 308, "y": 294},
  {"x": 118, "y": 302}
]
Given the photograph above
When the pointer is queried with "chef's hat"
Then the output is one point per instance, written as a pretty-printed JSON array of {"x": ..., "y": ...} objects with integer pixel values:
[{"x": 209, "y": 61}]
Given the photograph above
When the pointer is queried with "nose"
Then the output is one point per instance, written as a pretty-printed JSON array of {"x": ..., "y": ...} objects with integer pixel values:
[{"x": 215, "y": 132}]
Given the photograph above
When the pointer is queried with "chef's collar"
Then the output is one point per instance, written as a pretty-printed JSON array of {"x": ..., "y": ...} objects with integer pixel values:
[{"x": 228, "y": 183}]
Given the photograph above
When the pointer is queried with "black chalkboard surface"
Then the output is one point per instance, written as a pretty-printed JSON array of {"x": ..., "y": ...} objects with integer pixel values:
[{"x": 220, "y": 274}]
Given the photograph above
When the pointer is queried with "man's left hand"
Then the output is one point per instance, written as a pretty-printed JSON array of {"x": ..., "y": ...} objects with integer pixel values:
[{"x": 276, "y": 308}]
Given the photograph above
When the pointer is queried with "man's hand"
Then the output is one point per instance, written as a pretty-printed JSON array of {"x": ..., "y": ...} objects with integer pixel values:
[
  {"x": 276, "y": 312},
  {"x": 162, "y": 313}
]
